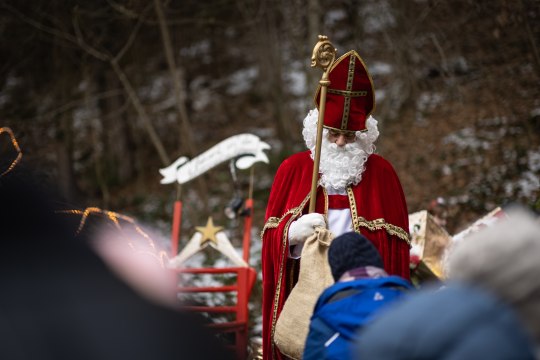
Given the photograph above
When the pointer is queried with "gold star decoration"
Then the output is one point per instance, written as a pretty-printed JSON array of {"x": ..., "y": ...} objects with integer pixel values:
[{"x": 209, "y": 231}]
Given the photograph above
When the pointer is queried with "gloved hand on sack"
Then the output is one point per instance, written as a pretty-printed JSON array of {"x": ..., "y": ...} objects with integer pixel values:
[{"x": 304, "y": 227}]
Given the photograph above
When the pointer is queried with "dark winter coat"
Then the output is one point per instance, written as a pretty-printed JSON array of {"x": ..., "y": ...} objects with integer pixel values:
[{"x": 456, "y": 322}]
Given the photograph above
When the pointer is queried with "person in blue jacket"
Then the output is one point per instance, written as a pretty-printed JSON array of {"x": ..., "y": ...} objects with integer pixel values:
[{"x": 362, "y": 288}]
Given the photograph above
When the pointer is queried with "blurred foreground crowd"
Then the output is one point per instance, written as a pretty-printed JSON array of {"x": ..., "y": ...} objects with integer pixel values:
[
  {"x": 63, "y": 297},
  {"x": 70, "y": 294}
]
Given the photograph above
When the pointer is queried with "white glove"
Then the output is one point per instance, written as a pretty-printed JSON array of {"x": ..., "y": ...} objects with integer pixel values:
[{"x": 304, "y": 227}]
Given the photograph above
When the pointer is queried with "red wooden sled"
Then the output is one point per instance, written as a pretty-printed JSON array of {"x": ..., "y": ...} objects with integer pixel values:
[{"x": 244, "y": 281}]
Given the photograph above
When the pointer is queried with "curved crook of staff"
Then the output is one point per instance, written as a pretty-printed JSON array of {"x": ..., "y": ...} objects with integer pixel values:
[{"x": 323, "y": 56}]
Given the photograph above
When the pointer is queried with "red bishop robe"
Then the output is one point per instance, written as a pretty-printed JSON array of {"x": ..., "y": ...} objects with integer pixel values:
[{"x": 378, "y": 211}]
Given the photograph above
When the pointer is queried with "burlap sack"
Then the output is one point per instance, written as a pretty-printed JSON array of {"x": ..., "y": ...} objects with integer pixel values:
[{"x": 293, "y": 323}]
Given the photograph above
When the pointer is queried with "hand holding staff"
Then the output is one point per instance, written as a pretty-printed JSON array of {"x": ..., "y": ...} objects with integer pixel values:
[{"x": 323, "y": 56}]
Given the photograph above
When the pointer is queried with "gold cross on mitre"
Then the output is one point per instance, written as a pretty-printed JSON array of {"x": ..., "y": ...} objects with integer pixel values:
[{"x": 209, "y": 231}]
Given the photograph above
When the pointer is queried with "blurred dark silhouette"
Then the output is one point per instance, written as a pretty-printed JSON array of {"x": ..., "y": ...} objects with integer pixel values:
[
  {"x": 457, "y": 322},
  {"x": 489, "y": 310},
  {"x": 503, "y": 260},
  {"x": 60, "y": 300}
]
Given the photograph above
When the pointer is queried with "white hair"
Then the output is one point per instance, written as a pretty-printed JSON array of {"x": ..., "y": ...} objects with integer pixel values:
[
  {"x": 341, "y": 166},
  {"x": 505, "y": 260}
]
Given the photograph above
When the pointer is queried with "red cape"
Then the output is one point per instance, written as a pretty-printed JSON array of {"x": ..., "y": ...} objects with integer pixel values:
[{"x": 378, "y": 196}]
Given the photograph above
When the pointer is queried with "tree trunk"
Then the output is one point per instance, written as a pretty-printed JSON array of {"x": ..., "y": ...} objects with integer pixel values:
[
  {"x": 133, "y": 97},
  {"x": 186, "y": 133},
  {"x": 314, "y": 30},
  {"x": 117, "y": 135},
  {"x": 64, "y": 131},
  {"x": 185, "y": 127},
  {"x": 64, "y": 157},
  {"x": 271, "y": 73}
]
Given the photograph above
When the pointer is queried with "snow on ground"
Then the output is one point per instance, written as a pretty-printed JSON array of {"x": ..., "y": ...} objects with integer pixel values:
[
  {"x": 242, "y": 80},
  {"x": 198, "y": 49},
  {"x": 466, "y": 138},
  {"x": 377, "y": 16},
  {"x": 528, "y": 184},
  {"x": 427, "y": 101},
  {"x": 380, "y": 68},
  {"x": 333, "y": 16},
  {"x": 489, "y": 134},
  {"x": 296, "y": 80}
]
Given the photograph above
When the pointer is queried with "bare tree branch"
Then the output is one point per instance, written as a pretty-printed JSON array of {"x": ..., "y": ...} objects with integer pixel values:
[
  {"x": 185, "y": 127},
  {"x": 40, "y": 26},
  {"x": 154, "y": 138},
  {"x": 72, "y": 104},
  {"x": 132, "y": 94},
  {"x": 113, "y": 61},
  {"x": 130, "y": 14},
  {"x": 83, "y": 44},
  {"x": 133, "y": 34},
  {"x": 530, "y": 37},
  {"x": 185, "y": 133}
]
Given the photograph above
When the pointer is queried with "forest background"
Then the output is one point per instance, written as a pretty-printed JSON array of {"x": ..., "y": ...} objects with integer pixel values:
[{"x": 104, "y": 93}]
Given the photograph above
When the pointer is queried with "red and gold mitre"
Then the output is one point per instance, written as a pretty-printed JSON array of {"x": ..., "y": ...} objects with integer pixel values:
[{"x": 350, "y": 97}]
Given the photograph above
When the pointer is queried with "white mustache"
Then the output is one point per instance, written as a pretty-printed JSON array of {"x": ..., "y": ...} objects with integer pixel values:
[{"x": 344, "y": 148}]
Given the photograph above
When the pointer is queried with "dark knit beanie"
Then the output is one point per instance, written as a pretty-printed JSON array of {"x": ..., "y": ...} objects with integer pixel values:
[{"x": 352, "y": 250}]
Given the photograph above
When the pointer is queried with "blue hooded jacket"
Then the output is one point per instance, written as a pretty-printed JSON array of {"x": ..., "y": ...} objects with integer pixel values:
[{"x": 345, "y": 307}]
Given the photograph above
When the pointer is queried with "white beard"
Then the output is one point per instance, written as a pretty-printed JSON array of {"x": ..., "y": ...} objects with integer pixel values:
[{"x": 341, "y": 166}]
